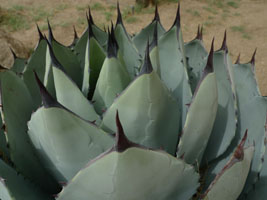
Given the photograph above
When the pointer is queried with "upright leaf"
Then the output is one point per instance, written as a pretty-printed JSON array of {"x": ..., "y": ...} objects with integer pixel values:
[
  {"x": 113, "y": 78},
  {"x": 17, "y": 106},
  {"x": 148, "y": 111},
  {"x": 129, "y": 52}
]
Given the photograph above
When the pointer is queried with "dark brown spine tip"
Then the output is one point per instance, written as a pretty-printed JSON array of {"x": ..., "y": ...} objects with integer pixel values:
[
  {"x": 238, "y": 59},
  {"x": 47, "y": 99},
  {"x": 252, "y": 61},
  {"x": 119, "y": 17},
  {"x": 177, "y": 20},
  {"x": 122, "y": 143},
  {"x": 90, "y": 16},
  {"x": 156, "y": 17},
  {"x": 13, "y": 53},
  {"x": 155, "y": 36},
  {"x": 54, "y": 60},
  {"x": 209, "y": 66},
  {"x": 239, "y": 152},
  {"x": 41, "y": 36},
  {"x": 198, "y": 33},
  {"x": 112, "y": 50},
  {"x": 147, "y": 66},
  {"x": 90, "y": 27},
  {"x": 50, "y": 33},
  {"x": 75, "y": 33},
  {"x": 224, "y": 45}
]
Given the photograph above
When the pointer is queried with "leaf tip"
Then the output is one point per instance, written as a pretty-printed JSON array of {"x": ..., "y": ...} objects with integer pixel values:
[
  {"x": 122, "y": 143},
  {"x": 224, "y": 44},
  {"x": 112, "y": 49},
  {"x": 209, "y": 66},
  {"x": 252, "y": 61},
  {"x": 119, "y": 17},
  {"x": 156, "y": 16},
  {"x": 147, "y": 66}
]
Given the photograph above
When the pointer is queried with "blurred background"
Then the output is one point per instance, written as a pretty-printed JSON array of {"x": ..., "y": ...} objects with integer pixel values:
[{"x": 244, "y": 20}]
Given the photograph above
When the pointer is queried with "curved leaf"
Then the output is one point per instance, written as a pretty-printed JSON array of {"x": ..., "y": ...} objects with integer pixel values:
[
  {"x": 229, "y": 183},
  {"x": 36, "y": 63},
  {"x": 153, "y": 175},
  {"x": 224, "y": 128},
  {"x": 199, "y": 121},
  {"x": 113, "y": 79},
  {"x": 149, "y": 112},
  {"x": 17, "y": 107},
  {"x": 69, "y": 95},
  {"x": 128, "y": 51},
  {"x": 64, "y": 141},
  {"x": 196, "y": 54},
  {"x": 173, "y": 70}
]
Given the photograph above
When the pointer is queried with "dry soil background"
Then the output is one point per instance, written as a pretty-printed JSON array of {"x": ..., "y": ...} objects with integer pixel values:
[{"x": 244, "y": 20}]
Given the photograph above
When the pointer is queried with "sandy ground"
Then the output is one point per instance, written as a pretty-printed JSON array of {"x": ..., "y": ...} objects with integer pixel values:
[{"x": 244, "y": 20}]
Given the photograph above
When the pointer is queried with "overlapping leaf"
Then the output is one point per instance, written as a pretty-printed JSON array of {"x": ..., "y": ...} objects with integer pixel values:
[
  {"x": 17, "y": 107},
  {"x": 129, "y": 172}
]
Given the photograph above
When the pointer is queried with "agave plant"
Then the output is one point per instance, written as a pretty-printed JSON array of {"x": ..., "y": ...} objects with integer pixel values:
[{"x": 192, "y": 124}]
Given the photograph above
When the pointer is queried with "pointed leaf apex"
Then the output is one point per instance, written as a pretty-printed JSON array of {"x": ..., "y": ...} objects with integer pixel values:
[
  {"x": 252, "y": 61},
  {"x": 13, "y": 53},
  {"x": 238, "y": 59},
  {"x": 90, "y": 16},
  {"x": 41, "y": 36},
  {"x": 119, "y": 17},
  {"x": 147, "y": 66},
  {"x": 199, "y": 36},
  {"x": 113, "y": 46},
  {"x": 54, "y": 60},
  {"x": 122, "y": 143},
  {"x": 177, "y": 18},
  {"x": 155, "y": 36},
  {"x": 156, "y": 17},
  {"x": 50, "y": 33},
  {"x": 224, "y": 45},
  {"x": 47, "y": 99},
  {"x": 75, "y": 33},
  {"x": 209, "y": 66},
  {"x": 90, "y": 28}
]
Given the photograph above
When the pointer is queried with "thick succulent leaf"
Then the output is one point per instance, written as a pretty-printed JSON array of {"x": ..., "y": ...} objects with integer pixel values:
[
  {"x": 113, "y": 79},
  {"x": 259, "y": 190},
  {"x": 4, "y": 192},
  {"x": 224, "y": 128},
  {"x": 4, "y": 152},
  {"x": 80, "y": 47},
  {"x": 14, "y": 186},
  {"x": 36, "y": 63},
  {"x": 229, "y": 183},
  {"x": 196, "y": 54},
  {"x": 153, "y": 175},
  {"x": 69, "y": 95},
  {"x": 146, "y": 34},
  {"x": 17, "y": 107},
  {"x": 199, "y": 121},
  {"x": 94, "y": 58},
  {"x": 173, "y": 72},
  {"x": 128, "y": 50},
  {"x": 48, "y": 76},
  {"x": 149, "y": 113},
  {"x": 69, "y": 61},
  {"x": 255, "y": 109},
  {"x": 64, "y": 141},
  {"x": 251, "y": 106}
]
